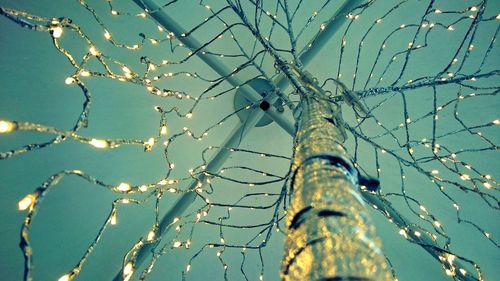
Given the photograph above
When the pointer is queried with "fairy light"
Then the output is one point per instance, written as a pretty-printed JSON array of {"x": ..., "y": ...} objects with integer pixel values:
[
  {"x": 447, "y": 157},
  {"x": 107, "y": 35},
  {"x": 151, "y": 235},
  {"x": 114, "y": 219},
  {"x": 57, "y": 32},
  {"x": 69, "y": 80},
  {"x": 85, "y": 73},
  {"x": 99, "y": 143},
  {"x": 93, "y": 51},
  {"x": 128, "y": 270},
  {"x": 123, "y": 187},
  {"x": 65, "y": 277},
  {"x": 6, "y": 126},
  {"x": 26, "y": 202}
]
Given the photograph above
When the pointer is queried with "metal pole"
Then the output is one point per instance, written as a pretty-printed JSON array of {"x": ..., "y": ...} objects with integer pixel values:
[
  {"x": 251, "y": 94},
  {"x": 329, "y": 233}
]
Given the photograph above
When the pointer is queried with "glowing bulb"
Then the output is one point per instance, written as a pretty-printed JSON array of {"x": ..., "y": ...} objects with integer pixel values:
[
  {"x": 151, "y": 235},
  {"x": 85, "y": 73},
  {"x": 149, "y": 144},
  {"x": 57, "y": 32},
  {"x": 163, "y": 130},
  {"x": 26, "y": 202},
  {"x": 188, "y": 267},
  {"x": 123, "y": 187},
  {"x": 128, "y": 270},
  {"x": 6, "y": 126},
  {"x": 189, "y": 115},
  {"x": 93, "y": 51},
  {"x": 177, "y": 244},
  {"x": 66, "y": 277},
  {"x": 113, "y": 219},
  {"x": 99, "y": 143},
  {"x": 107, "y": 35},
  {"x": 69, "y": 80}
]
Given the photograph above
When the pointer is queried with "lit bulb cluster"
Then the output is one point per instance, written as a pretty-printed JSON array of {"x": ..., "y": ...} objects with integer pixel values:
[{"x": 380, "y": 82}]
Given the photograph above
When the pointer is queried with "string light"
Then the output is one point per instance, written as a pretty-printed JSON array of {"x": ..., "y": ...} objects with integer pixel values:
[
  {"x": 26, "y": 202},
  {"x": 6, "y": 126},
  {"x": 413, "y": 150}
]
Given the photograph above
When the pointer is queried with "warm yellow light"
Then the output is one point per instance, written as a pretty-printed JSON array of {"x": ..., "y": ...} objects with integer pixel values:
[
  {"x": 150, "y": 142},
  {"x": 113, "y": 219},
  {"x": 151, "y": 235},
  {"x": 124, "y": 187},
  {"x": 189, "y": 115},
  {"x": 177, "y": 244},
  {"x": 163, "y": 130},
  {"x": 6, "y": 126},
  {"x": 57, "y": 31},
  {"x": 107, "y": 35},
  {"x": 93, "y": 51},
  {"x": 85, "y": 73},
  {"x": 67, "y": 277},
  {"x": 26, "y": 202},
  {"x": 69, "y": 80},
  {"x": 99, "y": 143},
  {"x": 128, "y": 270}
]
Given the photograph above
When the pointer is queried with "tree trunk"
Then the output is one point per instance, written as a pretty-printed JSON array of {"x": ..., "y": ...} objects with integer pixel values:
[{"x": 330, "y": 235}]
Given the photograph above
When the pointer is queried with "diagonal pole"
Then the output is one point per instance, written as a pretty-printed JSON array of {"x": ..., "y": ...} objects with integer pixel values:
[{"x": 251, "y": 94}]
